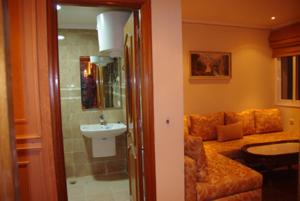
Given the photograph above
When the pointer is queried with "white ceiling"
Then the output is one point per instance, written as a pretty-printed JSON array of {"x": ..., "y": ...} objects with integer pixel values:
[
  {"x": 245, "y": 13},
  {"x": 78, "y": 17}
]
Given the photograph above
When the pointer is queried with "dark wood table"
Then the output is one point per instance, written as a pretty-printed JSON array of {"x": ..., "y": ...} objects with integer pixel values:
[{"x": 271, "y": 155}]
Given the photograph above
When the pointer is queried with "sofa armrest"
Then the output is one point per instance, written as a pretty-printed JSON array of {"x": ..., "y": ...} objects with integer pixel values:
[{"x": 190, "y": 178}]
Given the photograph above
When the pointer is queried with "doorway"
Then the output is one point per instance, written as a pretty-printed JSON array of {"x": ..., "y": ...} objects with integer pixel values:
[
  {"x": 93, "y": 100},
  {"x": 142, "y": 182}
]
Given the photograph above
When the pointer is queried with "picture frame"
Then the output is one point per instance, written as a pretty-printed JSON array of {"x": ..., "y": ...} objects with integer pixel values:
[{"x": 210, "y": 65}]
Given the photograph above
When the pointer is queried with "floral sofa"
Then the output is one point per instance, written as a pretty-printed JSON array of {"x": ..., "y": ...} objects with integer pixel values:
[{"x": 212, "y": 141}]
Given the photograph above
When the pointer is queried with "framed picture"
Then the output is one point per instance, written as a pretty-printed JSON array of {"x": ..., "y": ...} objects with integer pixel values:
[{"x": 210, "y": 65}]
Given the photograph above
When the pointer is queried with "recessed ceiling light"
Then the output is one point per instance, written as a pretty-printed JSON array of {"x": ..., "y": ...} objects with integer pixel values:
[
  {"x": 58, "y": 7},
  {"x": 273, "y": 18},
  {"x": 60, "y": 37}
]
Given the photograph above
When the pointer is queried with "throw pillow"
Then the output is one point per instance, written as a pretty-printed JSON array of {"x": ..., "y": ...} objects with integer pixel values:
[
  {"x": 205, "y": 126},
  {"x": 267, "y": 120},
  {"x": 246, "y": 117},
  {"x": 230, "y": 132},
  {"x": 193, "y": 147}
]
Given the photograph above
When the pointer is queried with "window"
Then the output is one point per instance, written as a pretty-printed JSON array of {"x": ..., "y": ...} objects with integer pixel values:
[{"x": 288, "y": 81}]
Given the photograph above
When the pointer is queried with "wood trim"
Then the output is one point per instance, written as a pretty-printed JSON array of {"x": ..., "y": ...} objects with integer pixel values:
[
  {"x": 9, "y": 190},
  {"x": 58, "y": 149},
  {"x": 21, "y": 121},
  {"x": 28, "y": 138},
  {"x": 23, "y": 163},
  {"x": 147, "y": 89},
  {"x": 147, "y": 101},
  {"x": 131, "y": 4}
]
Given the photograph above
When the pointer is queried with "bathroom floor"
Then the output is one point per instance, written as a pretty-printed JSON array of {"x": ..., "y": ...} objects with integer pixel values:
[{"x": 89, "y": 189}]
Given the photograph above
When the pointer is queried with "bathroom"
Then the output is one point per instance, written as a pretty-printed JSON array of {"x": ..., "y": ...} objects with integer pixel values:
[{"x": 96, "y": 168}]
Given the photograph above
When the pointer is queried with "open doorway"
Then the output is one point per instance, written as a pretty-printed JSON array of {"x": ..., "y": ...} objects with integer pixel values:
[{"x": 100, "y": 99}]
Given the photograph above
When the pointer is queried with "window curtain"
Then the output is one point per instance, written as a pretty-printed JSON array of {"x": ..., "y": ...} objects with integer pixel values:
[{"x": 285, "y": 41}]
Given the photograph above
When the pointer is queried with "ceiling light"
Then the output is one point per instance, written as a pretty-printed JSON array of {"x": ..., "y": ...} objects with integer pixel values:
[
  {"x": 273, "y": 18},
  {"x": 60, "y": 37},
  {"x": 58, "y": 7}
]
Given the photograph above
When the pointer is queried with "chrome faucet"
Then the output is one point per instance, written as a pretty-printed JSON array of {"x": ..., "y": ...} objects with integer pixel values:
[{"x": 102, "y": 120}]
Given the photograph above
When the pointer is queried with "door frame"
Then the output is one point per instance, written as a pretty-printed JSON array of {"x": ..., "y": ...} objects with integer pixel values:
[
  {"x": 9, "y": 188},
  {"x": 146, "y": 85}
]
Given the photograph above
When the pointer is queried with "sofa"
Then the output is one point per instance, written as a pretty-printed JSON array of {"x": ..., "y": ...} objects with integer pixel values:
[{"x": 213, "y": 148}]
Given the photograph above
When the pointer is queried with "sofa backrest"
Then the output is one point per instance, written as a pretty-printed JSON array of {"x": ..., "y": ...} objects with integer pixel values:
[{"x": 253, "y": 121}]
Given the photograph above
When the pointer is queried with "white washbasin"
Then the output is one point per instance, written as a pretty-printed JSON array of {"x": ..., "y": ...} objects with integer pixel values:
[{"x": 102, "y": 131}]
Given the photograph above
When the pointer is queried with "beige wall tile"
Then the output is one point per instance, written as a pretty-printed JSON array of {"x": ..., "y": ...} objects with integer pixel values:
[
  {"x": 70, "y": 170},
  {"x": 68, "y": 145},
  {"x": 69, "y": 158},
  {"x": 78, "y": 159},
  {"x": 83, "y": 170},
  {"x": 81, "y": 158},
  {"x": 79, "y": 145}
]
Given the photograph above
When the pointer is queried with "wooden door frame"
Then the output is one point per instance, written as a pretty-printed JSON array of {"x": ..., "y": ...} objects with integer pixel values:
[
  {"x": 9, "y": 188},
  {"x": 146, "y": 84}
]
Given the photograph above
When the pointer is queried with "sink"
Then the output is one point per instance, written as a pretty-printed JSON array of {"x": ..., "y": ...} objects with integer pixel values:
[
  {"x": 103, "y": 137},
  {"x": 98, "y": 130}
]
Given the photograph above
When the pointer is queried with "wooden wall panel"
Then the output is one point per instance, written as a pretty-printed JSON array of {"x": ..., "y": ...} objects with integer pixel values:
[
  {"x": 31, "y": 101},
  {"x": 8, "y": 165},
  {"x": 24, "y": 68},
  {"x": 30, "y": 171}
]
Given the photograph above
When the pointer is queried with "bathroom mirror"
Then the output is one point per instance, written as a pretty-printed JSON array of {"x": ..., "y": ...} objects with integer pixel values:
[{"x": 100, "y": 82}]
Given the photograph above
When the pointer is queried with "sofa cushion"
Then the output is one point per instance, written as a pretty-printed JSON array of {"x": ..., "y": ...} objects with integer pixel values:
[
  {"x": 190, "y": 170},
  {"x": 193, "y": 147},
  {"x": 267, "y": 120},
  {"x": 254, "y": 195},
  {"x": 230, "y": 132},
  {"x": 226, "y": 177},
  {"x": 232, "y": 148},
  {"x": 205, "y": 126},
  {"x": 246, "y": 117}
]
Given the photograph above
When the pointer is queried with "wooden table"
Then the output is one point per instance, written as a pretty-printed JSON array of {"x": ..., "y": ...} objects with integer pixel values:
[{"x": 272, "y": 155}]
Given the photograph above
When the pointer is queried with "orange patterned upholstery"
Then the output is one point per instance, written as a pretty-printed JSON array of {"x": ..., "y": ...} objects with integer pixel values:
[
  {"x": 190, "y": 180},
  {"x": 226, "y": 177},
  {"x": 193, "y": 147},
  {"x": 230, "y": 132},
  {"x": 232, "y": 149},
  {"x": 246, "y": 117},
  {"x": 267, "y": 120},
  {"x": 205, "y": 125},
  {"x": 245, "y": 196}
]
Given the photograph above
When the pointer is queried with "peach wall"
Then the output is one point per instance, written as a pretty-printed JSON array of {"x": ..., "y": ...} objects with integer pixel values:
[
  {"x": 252, "y": 84},
  {"x": 291, "y": 117},
  {"x": 168, "y": 99}
]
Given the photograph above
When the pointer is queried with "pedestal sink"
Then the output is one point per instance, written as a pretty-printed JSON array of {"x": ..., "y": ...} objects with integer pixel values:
[{"x": 103, "y": 137}]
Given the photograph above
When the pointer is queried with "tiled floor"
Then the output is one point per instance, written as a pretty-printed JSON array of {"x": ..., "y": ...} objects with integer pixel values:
[{"x": 89, "y": 189}]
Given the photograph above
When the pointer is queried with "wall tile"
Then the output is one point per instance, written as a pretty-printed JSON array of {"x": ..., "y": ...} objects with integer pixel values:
[
  {"x": 98, "y": 168},
  {"x": 83, "y": 170},
  {"x": 116, "y": 166},
  {"x": 68, "y": 145},
  {"x": 70, "y": 170},
  {"x": 78, "y": 158},
  {"x": 79, "y": 145}
]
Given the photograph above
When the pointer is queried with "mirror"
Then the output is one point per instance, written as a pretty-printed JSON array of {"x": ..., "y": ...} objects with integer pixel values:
[{"x": 100, "y": 82}]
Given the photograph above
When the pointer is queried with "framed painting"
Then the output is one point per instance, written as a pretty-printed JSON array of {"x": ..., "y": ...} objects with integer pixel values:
[{"x": 210, "y": 65}]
